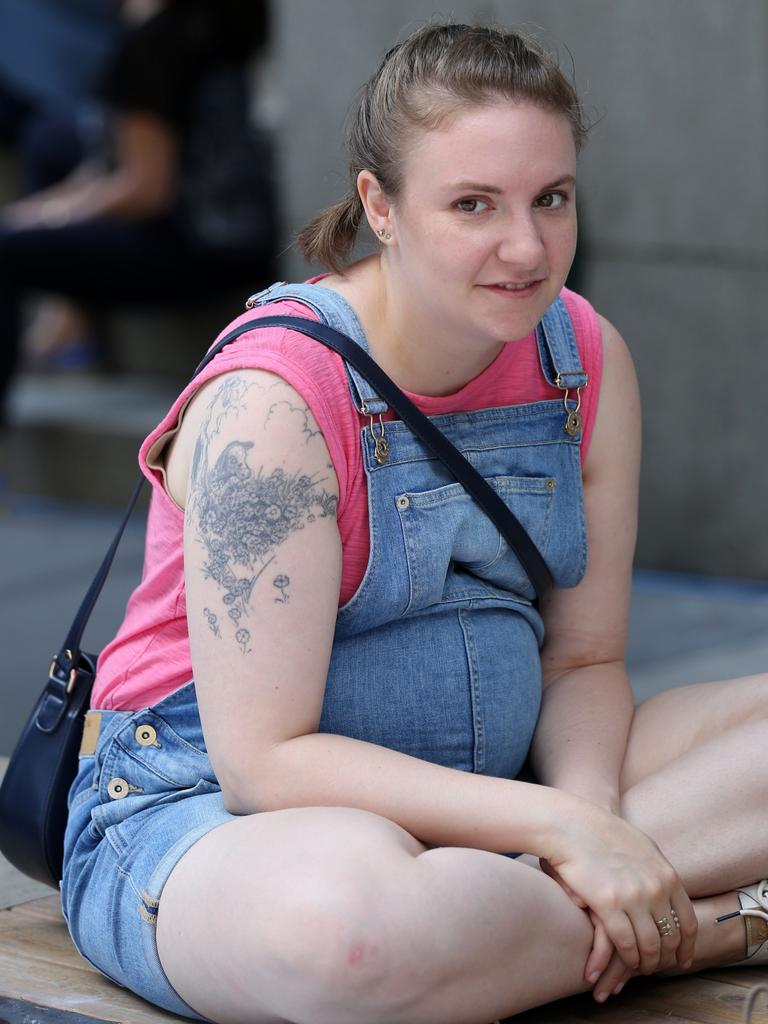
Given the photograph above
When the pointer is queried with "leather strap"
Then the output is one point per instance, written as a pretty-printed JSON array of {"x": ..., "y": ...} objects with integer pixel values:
[{"x": 475, "y": 485}]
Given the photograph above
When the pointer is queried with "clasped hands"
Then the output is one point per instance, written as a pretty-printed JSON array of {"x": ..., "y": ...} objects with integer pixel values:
[{"x": 642, "y": 917}]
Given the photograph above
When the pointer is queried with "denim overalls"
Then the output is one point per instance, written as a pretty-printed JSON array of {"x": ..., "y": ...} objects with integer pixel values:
[{"x": 436, "y": 654}]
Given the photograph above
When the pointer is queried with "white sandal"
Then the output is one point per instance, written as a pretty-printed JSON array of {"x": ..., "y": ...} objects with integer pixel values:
[{"x": 754, "y": 910}]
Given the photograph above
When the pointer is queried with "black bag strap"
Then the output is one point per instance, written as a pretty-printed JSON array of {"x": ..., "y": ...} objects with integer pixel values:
[{"x": 476, "y": 486}]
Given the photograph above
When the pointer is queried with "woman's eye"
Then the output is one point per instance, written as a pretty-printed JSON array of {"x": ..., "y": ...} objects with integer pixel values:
[
  {"x": 471, "y": 205},
  {"x": 552, "y": 200}
]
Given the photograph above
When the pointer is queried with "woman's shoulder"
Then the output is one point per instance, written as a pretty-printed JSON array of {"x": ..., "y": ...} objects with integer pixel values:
[
  {"x": 596, "y": 336},
  {"x": 584, "y": 316},
  {"x": 314, "y": 372},
  {"x": 276, "y": 348}
]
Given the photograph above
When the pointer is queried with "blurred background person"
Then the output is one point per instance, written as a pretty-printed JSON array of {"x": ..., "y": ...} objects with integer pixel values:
[
  {"x": 173, "y": 201},
  {"x": 52, "y": 54}
]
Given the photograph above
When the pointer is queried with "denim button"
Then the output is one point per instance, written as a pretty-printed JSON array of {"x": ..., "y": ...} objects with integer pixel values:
[
  {"x": 403, "y": 501},
  {"x": 117, "y": 789},
  {"x": 146, "y": 735}
]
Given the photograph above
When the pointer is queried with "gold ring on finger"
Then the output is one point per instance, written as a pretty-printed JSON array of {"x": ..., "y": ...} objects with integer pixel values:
[
  {"x": 665, "y": 928},
  {"x": 675, "y": 918}
]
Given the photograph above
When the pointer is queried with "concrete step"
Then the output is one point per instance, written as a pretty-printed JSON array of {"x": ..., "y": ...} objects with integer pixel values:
[
  {"x": 76, "y": 437},
  {"x": 170, "y": 340}
]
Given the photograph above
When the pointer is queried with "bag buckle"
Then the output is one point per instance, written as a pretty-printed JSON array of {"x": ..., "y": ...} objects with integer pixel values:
[{"x": 72, "y": 672}]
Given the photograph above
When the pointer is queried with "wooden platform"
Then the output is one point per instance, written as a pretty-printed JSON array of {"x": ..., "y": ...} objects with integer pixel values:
[{"x": 40, "y": 966}]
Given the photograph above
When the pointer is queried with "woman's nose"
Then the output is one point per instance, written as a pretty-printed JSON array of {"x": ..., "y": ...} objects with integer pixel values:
[{"x": 521, "y": 245}]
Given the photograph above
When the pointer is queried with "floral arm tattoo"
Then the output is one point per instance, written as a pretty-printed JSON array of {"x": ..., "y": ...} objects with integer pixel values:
[{"x": 245, "y": 514}]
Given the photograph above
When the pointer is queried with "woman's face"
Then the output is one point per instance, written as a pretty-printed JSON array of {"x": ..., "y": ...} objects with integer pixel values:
[{"x": 485, "y": 224}]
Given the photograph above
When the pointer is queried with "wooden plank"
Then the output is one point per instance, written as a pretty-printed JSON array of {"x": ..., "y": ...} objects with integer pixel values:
[
  {"x": 617, "y": 1011},
  {"x": 699, "y": 998},
  {"x": 622, "y": 1009},
  {"x": 39, "y": 964},
  {"x": 744, "y": 977},
  {"x": 38, "y": 933},
  {"x": 76, "y": 991},
  {"x": 694, "y": 999},
  {"x": 47, "y": 907},
  {"x": 16, "y": 1011}
]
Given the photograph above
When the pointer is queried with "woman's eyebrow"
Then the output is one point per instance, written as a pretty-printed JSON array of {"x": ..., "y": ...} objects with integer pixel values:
[
  {"x": 474, "y": 186},
  {"x": 567, "y": 179}
]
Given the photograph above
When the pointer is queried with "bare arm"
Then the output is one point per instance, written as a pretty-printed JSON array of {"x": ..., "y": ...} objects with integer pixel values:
[
  {"x": 587, "y": 704},
  {"x": 262, "y": 568},
  {"x": 141, "y": 185}
]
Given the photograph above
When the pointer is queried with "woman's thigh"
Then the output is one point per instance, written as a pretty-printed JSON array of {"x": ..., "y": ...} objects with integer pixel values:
[
  {"x": 676, "y": 721},
  {"x": 270, "y": 908}
]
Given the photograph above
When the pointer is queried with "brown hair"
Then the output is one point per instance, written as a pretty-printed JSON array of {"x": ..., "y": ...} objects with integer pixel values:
[{"x": 418, "y": 84}]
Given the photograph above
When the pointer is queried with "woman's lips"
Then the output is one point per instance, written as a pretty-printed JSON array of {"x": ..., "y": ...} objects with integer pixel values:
[{"x": 514, "y": 291}]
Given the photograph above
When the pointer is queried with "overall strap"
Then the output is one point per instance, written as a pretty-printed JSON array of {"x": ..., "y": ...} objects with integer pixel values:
[
  {"x": 560, "y": 361},
  {"x": 334, "y": 310},
  {"x": 558, "y": 352}
]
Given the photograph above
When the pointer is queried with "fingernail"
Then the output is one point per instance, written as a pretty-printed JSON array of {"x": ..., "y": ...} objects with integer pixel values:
[
  {"x": 618, "y": 988},
  {"x": 594, "y": 976},
  {"x": 601, "y": 997},
  {"x": 687, "y": 964}
]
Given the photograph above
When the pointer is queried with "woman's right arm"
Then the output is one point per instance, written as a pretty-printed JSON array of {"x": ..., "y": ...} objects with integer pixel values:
[{"x": 262, "y": 567}]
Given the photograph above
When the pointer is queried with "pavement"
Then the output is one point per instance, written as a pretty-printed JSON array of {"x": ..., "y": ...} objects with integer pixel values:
[{"x": 683, "y": 629}]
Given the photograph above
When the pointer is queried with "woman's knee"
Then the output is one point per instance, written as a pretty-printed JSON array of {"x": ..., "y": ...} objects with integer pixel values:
[
  {"x": 340, "y": 938},
  {"x": 312, "y": 929}
]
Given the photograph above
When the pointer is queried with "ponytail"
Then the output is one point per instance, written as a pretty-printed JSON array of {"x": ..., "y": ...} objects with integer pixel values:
[{"x": 330, "y": 236}]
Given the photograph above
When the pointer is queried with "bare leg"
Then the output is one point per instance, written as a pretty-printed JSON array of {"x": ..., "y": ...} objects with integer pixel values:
[
  {"x": 695, "y": 784},
  {"x": 696, "y": 781},
  {"x": 675, "y": 721},
  {"x": 338, "y": 915}
]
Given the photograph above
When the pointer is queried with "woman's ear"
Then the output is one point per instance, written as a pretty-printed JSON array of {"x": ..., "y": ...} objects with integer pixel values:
[{"x": 375, "y": 203}]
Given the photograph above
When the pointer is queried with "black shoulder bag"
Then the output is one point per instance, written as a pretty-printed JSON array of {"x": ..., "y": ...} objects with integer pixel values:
[{"x": 33, "y": 795}]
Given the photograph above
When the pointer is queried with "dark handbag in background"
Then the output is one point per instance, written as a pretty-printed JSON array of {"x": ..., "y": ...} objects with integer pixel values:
[{"x": 33, "y": 795}]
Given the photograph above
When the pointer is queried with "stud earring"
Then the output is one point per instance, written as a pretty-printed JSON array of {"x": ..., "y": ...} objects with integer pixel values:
[{"x": 380, "y": 232}]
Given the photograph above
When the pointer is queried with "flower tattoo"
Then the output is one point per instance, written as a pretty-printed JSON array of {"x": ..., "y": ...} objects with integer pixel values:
[{"x": 244, "y": 515}]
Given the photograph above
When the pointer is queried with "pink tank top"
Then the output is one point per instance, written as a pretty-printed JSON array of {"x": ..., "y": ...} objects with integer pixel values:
[{"x": 149, "y": 657}]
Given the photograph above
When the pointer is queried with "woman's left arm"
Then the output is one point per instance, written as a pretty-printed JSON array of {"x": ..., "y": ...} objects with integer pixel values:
[{"x": 587, "y": 705}]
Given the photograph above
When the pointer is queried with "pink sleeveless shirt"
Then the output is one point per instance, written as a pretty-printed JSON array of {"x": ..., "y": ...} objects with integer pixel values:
[{"x": 149, "y": 658}]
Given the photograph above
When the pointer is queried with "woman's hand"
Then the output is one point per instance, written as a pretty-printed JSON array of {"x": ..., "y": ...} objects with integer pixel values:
[
  {"x": 619, "y": 875},
  {"x": 604, "y": 968}
]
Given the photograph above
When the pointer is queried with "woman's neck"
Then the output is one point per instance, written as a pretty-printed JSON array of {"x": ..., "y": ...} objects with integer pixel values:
[{"x": 405, "y": 338}]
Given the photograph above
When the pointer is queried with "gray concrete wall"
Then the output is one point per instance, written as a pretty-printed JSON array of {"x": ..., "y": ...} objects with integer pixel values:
[{"x": 674, "y": 213}]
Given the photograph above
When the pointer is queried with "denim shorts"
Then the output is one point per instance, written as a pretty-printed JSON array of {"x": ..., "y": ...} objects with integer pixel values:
[
  {"x": 138, "y": 803},
  {"x": 140, "y": 800}
]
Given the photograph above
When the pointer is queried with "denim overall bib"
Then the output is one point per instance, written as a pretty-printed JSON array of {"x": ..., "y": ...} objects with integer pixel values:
[{"x": 435, "y": 655}]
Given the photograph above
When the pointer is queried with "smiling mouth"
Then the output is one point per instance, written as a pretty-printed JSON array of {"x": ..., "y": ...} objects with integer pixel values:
[{"x": 514, "y": 287}]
